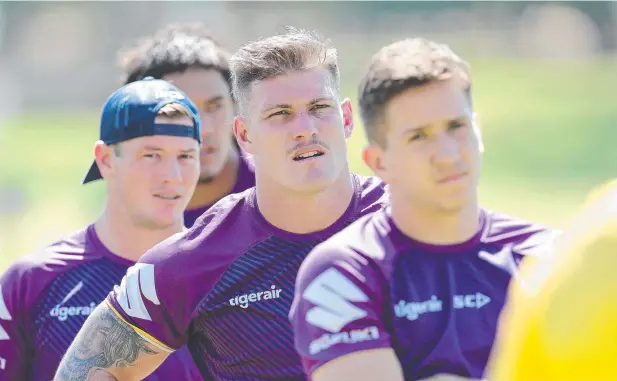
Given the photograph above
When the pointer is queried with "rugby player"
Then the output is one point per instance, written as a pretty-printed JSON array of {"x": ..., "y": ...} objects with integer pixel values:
[
  {"x": 190, "y": 58},
  {"x": 560, "y": 323},
  {"x": 415, "y": 290},
  {"x": 148, "y": 155},
  {"x": 225, "y": 286}
]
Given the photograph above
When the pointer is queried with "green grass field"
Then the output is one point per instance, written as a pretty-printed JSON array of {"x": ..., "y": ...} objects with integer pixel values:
[{"x": 549, "y": 131}]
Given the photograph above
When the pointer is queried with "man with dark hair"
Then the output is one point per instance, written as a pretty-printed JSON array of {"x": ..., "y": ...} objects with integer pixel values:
[
  {"x": 235, "y": 271},
  {"x": 414, "y": 290},
  {"x": 148, "y": 155},
  {"x": 189, "y": 57}
]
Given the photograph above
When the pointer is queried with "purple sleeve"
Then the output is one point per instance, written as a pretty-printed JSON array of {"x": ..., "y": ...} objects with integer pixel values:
[
  {"x": 14, "y": 346},
  {"x": 153, "y": 298},
  {"x": 338, "y": 306}
]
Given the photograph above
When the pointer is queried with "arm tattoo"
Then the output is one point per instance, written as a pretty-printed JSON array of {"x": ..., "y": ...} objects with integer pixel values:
[{"x": 104, "y": 342}]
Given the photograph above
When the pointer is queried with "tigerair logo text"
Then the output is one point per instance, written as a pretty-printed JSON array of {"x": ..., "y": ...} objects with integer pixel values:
[
  {"x": 63, "y": 313},
  {"x": 243, "y": 301}
]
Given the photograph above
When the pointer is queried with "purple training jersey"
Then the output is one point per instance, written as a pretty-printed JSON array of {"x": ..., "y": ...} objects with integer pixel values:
[
  {"x": 370, "y": 287},
  {"x": 47, "y": 297},
  {"x": 225, "y": 287},
  {"x": 245, "y": 179}
]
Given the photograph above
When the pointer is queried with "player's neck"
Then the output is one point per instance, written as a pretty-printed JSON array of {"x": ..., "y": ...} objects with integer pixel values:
[
  {"x": 427, "y": 225},
  {"x": 304, "y": 213},
  {"x": 126, "y": 240},
  {"x": 220, "y": 186}
]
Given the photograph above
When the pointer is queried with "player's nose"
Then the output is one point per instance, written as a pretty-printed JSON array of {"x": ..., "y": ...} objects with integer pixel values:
[
  {"x": 447, "y": 150},
  {"x": 171, "y": 172},
  {"x": 207, "y": 127},
  {"x": 304, "y": 126}
]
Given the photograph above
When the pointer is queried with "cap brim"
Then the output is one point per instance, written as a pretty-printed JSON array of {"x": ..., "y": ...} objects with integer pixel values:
[{"x": 92, "y": 174}]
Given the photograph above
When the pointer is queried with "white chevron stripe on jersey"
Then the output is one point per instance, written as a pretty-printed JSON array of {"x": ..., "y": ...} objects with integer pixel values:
[
  {"x": 333, "y": 294},
  {"x": 137, "y": 283}
]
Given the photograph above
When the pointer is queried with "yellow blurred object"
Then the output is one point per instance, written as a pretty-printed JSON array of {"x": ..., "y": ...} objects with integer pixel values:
[{"x": 561, "y": 324}]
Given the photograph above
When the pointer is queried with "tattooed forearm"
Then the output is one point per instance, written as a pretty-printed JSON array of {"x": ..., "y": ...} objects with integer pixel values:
[{"x": 104, "y": 342}]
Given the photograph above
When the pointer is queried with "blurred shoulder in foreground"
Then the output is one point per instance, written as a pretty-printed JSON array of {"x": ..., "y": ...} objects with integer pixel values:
[{"x": 561, "y": 323}]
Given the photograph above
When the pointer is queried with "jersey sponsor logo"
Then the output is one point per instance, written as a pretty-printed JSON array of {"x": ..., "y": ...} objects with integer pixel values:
[
  {"x": 413, "y": 310},
  {"x": 477, "y": 301},
  {"x": 243, "y": 301},
  {"x": 137, "y": 284},
  {"x": 2, "y": 363},
  {"x": 333, "y": 295},
  {"x": 346, "y": 337},
  {"x": 62, "y": 313},
  {"x": 4, "y": 315}
]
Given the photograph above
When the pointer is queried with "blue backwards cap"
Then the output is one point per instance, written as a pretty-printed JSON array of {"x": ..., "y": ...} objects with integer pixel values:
[{"x": 131, "y": 110}]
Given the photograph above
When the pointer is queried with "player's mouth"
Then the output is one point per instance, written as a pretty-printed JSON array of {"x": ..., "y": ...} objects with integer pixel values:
[
  {"x": 452, "y": 178},
  {"x": 167, "y": 197},
  {"x": 308, "y": 153}
]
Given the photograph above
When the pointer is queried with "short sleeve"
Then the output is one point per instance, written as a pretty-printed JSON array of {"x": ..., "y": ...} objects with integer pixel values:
[
  {"x": 338, "y": 307},
  {"x": 14, "y": 341},
  {"x": 153, "y": 298}
]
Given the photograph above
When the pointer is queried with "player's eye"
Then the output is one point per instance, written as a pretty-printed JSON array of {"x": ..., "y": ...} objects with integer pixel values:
[
  {"x": 417, "y": 136},
  {"x": 211, "y": 107},
  {"x": 320, "y": 106},
  {"x": 152, "y": 155},
  {"x": 278, "y": 113},
  {"x": 187, "y": 156},
  {"x": 456, "y": 124}
]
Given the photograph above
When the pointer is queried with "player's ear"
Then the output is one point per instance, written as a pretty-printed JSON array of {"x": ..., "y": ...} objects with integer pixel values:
[
  {"x": 241, "y": 133},
  {"x": 372, "y": 155},
  {"x": 103, "y": 157},
  {"x": 347, "y": 117}
]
